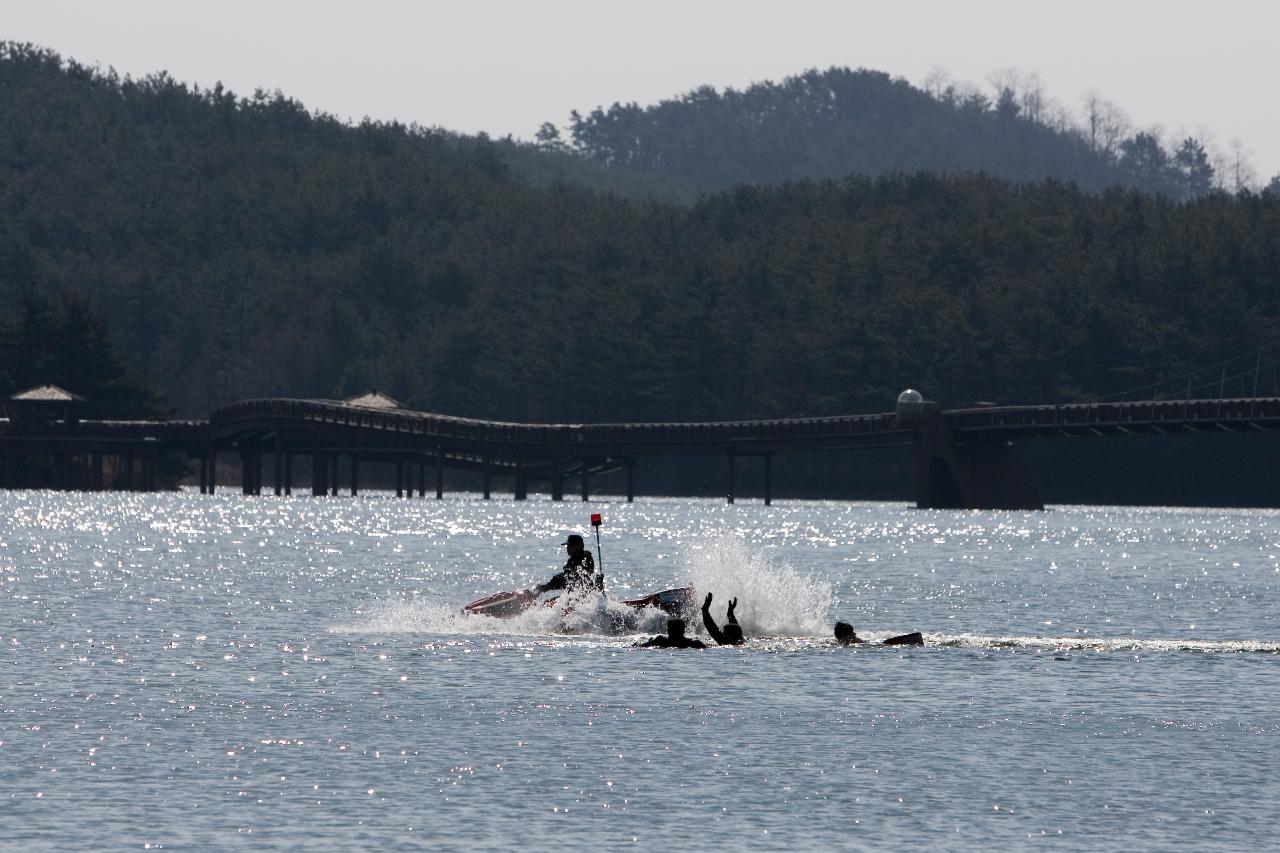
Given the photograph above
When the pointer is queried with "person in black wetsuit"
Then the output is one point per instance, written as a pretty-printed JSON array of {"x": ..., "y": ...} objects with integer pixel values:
[
  {"x": 845, "y": 636},
  {"x": 731, "y": 635},
  {"x": 579, "y": 573},
  {"x": 674, "y": 639}
]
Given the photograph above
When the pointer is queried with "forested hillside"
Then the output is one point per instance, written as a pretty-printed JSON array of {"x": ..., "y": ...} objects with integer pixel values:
[
  {"x": 838, "y": 122},
  {"x": 64, "y": 341},
  {"x": 244, "y": 246}
]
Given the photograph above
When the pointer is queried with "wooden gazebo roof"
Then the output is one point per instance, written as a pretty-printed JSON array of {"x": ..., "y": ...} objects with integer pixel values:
[
  {"x": 375, "y": 399},
  {"x": 46, "y": 394}
]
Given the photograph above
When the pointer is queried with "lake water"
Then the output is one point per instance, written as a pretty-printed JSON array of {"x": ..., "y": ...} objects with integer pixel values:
[{"x": 190, "y": 672}]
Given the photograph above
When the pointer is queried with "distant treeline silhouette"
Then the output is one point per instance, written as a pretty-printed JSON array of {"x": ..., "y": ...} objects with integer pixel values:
[
  {"x": 245, "y": 246},
  {"x": 838, "y": 122}
]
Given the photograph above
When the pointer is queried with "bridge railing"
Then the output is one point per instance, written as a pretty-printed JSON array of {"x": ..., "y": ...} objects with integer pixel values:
[
  {"x": 446, "y": 427},
  {"x": 1065, "y": 416}
]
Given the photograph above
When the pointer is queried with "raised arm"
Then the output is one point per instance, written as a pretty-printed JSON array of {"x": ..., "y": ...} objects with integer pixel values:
[{"x": 710, "y": 624}]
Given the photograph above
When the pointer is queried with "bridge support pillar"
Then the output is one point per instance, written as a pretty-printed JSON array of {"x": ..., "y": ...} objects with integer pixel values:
[
  {"x": 522, "y": 483},
  {"x": 439, "y": 476},
  {"x": 211, "y": 458},
  {"x": 768, "y": 479},
  {"x": 631, "y": 481},
  {"x": 557, "y": 482},
  {"x": 96, "y": 476},
  {"x": 488, "y": 478},
  {"x": 981, "y": 475},
  {"x": 319, "y": 472},
  {"x": 422, "y": 479},
  {"x": 399, "y": 478},
  {"x": 586, "y": 480},
  {"x": 733, "y": 464},
  {"x": 278, "y": 459},
  {"x": 150, "y": 464},
  {"x": 333, "y": 475},
  {"x": 250, "y": 471},
  {"x": 355, "y": 475},
  {"x": 288, "y": 473}
]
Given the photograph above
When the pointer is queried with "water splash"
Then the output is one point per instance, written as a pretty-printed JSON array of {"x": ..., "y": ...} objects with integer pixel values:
[
  {"x": 773, "y": 598},
  {"x": 405, "y": 616},
  {"x": 585, "y": 616}
]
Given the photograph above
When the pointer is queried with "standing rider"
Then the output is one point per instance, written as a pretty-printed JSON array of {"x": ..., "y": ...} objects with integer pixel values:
[{"x": 579, "y": 573}]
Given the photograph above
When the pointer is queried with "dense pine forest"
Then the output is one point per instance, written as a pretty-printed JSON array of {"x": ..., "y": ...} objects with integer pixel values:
[{"x": 241, "y": 246}]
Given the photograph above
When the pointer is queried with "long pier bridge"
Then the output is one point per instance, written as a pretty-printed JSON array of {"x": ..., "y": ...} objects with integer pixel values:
[{"x": 964, "y": 457}]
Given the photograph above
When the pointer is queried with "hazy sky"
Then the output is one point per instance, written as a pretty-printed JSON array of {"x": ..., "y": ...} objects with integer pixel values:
[{"x": 505, "y": 67}]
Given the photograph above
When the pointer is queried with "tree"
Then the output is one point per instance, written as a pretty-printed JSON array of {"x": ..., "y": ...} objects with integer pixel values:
[
  {"x": 1145, "y": 160},
  {"x": 1007, "y": 105},
  {"x": 1191, "y": 164},
  {"x": 1240, "y": 171},
  {"x": 1106, "y": 125},
  {"x": 548, "y": 136}
]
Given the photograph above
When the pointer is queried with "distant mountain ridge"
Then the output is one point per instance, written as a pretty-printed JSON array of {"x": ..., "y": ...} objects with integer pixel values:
[{"x": 838, "y": 122}]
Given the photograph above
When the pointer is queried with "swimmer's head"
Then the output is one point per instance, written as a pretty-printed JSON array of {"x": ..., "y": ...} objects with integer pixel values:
[
  {"x": 675, "y": 628},
  {"x": 733, "y": 633},
  {"x": 845, "y": 634}
]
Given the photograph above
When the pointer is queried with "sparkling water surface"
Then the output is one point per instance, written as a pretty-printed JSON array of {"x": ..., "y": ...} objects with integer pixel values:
[{"x": 192, "y": 672}]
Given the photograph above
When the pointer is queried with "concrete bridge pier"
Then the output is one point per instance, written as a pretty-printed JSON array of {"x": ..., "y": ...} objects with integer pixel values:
[
  {"x": 97, "y": 477},
  {"x": 732, "y": 490},
  {"x": 250, "y": 471},
  {"x": 278, "y": 474},
  {"x": 355, "y": 475},
  {"x": 733, "y": 475},
  {"x": 768, "y": 479},
  {"x": 211, "y": 461},
  {"x": 151, "y": 463},
  {"x": 319, "y": 474},
  {"x": 953, "y": 474}
]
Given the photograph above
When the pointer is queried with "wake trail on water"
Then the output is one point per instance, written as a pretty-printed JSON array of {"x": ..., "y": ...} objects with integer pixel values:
[
  {"x": 773, "y": 600},
  {"x": 1102, "y": 644}
]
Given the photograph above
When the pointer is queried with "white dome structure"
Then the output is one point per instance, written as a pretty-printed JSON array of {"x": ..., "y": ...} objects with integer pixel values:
[{"x": 911, "y": 405}]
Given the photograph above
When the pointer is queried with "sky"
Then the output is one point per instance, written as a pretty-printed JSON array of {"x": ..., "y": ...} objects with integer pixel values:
[{"x": 1191, "y": 68}]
